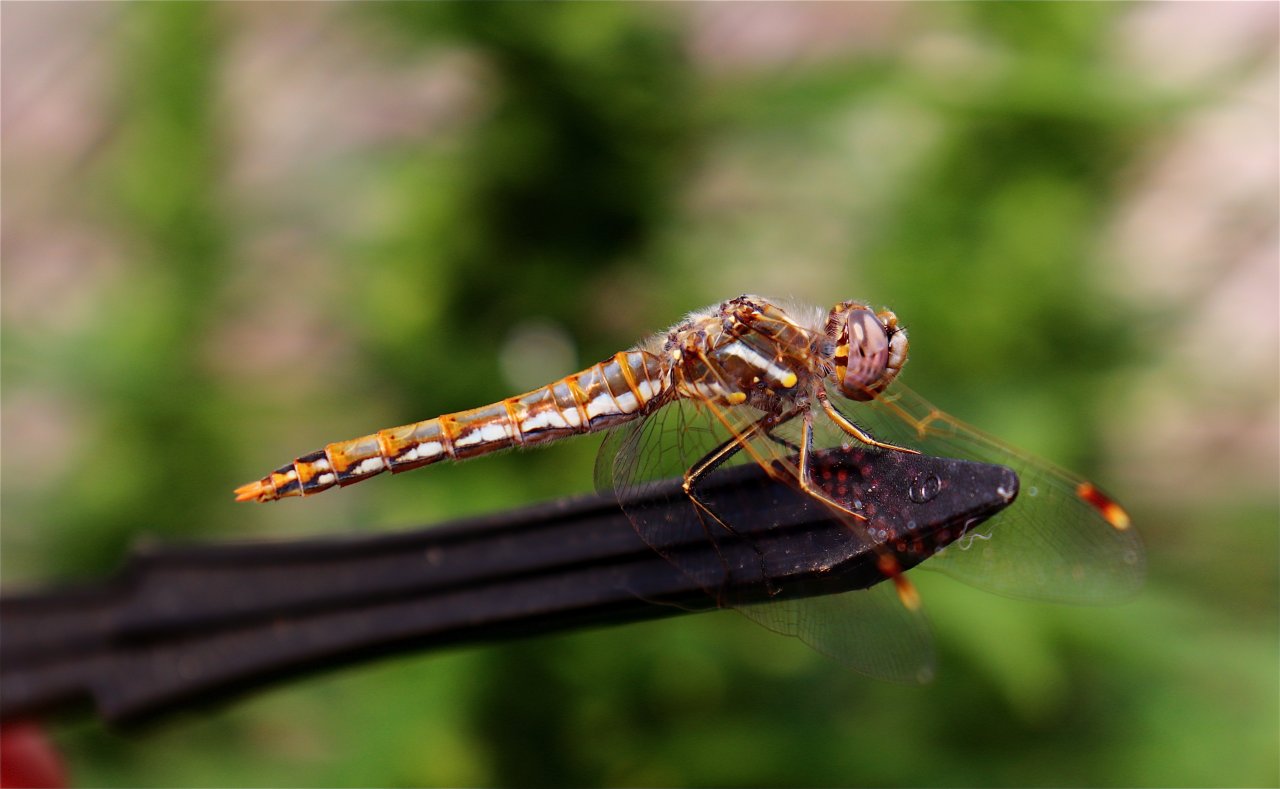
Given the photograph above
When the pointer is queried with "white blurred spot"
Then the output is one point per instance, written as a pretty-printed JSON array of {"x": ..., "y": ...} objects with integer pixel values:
[
  {"x": 44, "y": 433},
  {"x": 536, "y": 353},
  {"x": 730, "y": 38},
  {"x": 1175, "y": 44}
]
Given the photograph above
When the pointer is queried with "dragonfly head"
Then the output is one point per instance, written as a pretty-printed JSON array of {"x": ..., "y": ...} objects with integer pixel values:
[{"x": 870, "y": 349}]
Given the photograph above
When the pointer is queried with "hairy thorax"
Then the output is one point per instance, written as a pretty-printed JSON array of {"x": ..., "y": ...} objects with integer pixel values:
[{"x": 749, "y": 351}]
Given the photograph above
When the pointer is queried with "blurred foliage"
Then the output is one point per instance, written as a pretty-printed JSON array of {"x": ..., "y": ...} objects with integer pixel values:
[
  {"x": 564, "y": 181},
  {"x": 568, "y": 199}
]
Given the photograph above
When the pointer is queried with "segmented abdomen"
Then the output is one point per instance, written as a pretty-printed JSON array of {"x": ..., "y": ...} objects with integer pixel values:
[{"x": 604, "y": 394}]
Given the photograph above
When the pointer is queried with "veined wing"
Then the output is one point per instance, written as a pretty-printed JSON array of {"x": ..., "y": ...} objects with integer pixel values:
[
  {"x": 869, "y": 630},
  {"x": 636, "y": 459},
  {"x": 1061, "y": 540}
]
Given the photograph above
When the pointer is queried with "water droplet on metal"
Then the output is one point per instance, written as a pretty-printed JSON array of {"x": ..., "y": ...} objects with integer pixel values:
[{"x": 924, "y": 488}]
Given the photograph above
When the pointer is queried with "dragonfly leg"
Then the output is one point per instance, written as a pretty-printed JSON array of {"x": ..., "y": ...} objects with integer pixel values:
[
  {"x": 886, "y": 562},
  {"x": 779, "y": 440},
  {"x": 849, "y": 427},
  {"x": 713, "y": 459},
  {"x": 806, "y": 473}
]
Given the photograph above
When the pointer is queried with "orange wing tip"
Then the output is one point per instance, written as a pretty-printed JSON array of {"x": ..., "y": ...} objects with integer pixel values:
[
  {"x": 1108, "y": 509},
  {"x": 255, "y": 491},
  {"x": 907, "y": 593}
]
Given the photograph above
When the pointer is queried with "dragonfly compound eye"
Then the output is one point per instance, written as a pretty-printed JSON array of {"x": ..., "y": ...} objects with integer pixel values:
[{"x": 873, "y": 355}]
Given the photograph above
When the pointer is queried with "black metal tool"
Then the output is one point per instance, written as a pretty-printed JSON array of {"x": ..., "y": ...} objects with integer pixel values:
[{"x": 182, "y": 623}]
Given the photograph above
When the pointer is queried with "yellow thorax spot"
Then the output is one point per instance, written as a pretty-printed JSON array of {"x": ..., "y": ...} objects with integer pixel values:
[{"x": 789, "y": 380}]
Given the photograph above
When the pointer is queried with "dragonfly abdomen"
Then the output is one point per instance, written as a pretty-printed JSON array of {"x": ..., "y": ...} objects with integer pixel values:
[{"x": 605, "y": 394}]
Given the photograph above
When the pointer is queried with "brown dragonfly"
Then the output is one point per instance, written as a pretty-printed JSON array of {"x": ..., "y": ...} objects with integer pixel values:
[{"x": 753, "y": 380}]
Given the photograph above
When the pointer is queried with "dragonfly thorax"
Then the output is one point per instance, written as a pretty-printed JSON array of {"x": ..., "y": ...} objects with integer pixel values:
[{"x": 747, "y": 350}]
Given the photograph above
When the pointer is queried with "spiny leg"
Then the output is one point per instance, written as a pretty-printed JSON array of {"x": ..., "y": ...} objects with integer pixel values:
[
  {"x": 806, "y": 472},
  {"x": 849, "y": 427},
  {"x": 779, "y": 440},
  {"x": 886, "y": 562},
  {"x": 713, "y": 460}
]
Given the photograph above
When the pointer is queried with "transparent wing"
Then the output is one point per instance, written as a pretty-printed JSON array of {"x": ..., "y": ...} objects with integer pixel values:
[
  {"x": 869, "y": 630},
  {"x": 1061, "y": 540},
  {"x": 638, "y": 461}
]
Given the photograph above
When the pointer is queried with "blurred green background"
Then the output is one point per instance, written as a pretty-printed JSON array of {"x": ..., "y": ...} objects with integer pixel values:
[{"x": 232, "y": 233}]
